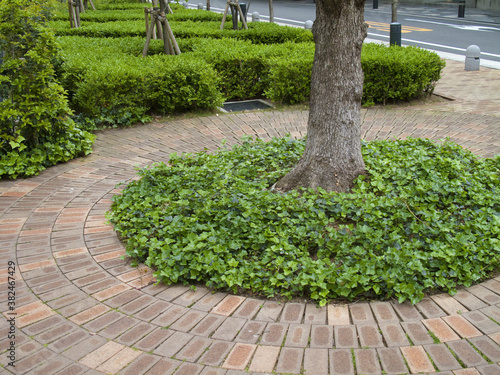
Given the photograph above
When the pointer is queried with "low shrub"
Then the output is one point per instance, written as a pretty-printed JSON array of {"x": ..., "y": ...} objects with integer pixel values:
[
  {"x": 430, "y": 221},
  {"x": 398, "y": 73},
  {"x": 129, "y": 87}
]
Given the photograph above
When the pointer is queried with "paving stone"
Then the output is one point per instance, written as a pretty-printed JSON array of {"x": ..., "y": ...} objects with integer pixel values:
[
  {"x": 442, "y": 357},
  {"x": 189, "y": 369},
  {"x": 492, "y": 312},
  {"x": 440, "y": 329},
  {"x": 120, "y": 326},
  {"x": 139, "y": 304},
  {"x": 173, "y": 292},
  {"x": 461, "y": 326},
  {"x": 293, "y": 313},
  {"x": 484, "y": 294},
  {"x": 487, "y": 346},
  {"x": 466, "y": 371},
  {"x": 248, "y": 309},
  {"x": 468, "y": 300},
  {"x": 213, "y": 371},
  {"x": 101, "y": 354},
  {"x": 315, "y": 314},
  {"x": 345, "y": 337},
  {"x": 264, "y": 359},
  {"x": 392, "y": 361},
  {"x": 44, "y": 325},
  {"x": 274, "y": 333},
  {"x": 229, "y": 329},
  {"x": 298, "y": 335},
  {"x": 208, "y": 325},
  {"x": 417, "y": 333},
  {"x": 341, "y": 362},
  {"x": 173, "y": 344},
  {"x": 194, "y": 349},
  {"x": 135, "y": 334},
  {"x": 89, "y": 314},
  {"x": 68, "y": 341},
  {"x": 417, "y": 359},
  {"x": 316, "y": 361},
  {"x": 228, "y": 305},
  {"x": 52, "y": 366},
  {"x": 239, "y": 357},
  {"x": 209, "y": 301},
  {"x": 361, "y": 314},
  {"x": 153, "y": 339},
  {"x": 120, "y": 360},
  {"x": 384, "y": 313},
  {"x": 86, "y": 303},
  {"x": 394, "y": 334},
  {"x": 338, "y": 315},
  {"x": 84, "y": 347},
  {"x": 103, "y": 321},
  {"x": 466, "y": 353},
  {"x": 269, "y": 312},
  {"x": 492, "y": 285},
  {"x": 290, "y": 361},
  {"x": 124, "y": 298},
  {"x": 429, "y": 309},
  {"x": 367, "y": 362},
  {"x": 188, "y": 321},
  {"x": 164, "y": 367},
  {"x": 216, "y": 353},
  {"x": 140, "y": 365},
  {"x": 55, "y": 333},
  {"x": 251, "y": 332},
  {"x": 27, "y": 363},
  {"x": 482, "y": 322},
  {"x": 321, "y": 336},
  {"x": 191, "y": 296},
  {"x": 369, "y": 336},
  {"x": 448, "y": 304},
  {"x": 153, "y": 310},
  {"x": 74, "y": 369},
  {"x": 492, "y": 369}
]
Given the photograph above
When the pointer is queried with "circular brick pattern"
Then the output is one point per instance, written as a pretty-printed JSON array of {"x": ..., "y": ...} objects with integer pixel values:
[{"x": 81, "y": 308}]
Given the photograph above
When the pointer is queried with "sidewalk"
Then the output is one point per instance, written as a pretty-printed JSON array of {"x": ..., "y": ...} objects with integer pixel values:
[{"x": 81, "y": 309}]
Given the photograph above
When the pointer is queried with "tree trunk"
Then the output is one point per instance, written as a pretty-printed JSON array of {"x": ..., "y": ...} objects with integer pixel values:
[
  {"x": 332, "y": 158},
  {"x": 271, "y": 11}
]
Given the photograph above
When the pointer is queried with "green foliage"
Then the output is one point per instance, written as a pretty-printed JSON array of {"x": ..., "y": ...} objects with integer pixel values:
[
  {"x": 398, "y": 73},
  {"x": 36, "y": 130},
  {"x": 426, "y": 217},
  {"x": 265, "y": 61}
]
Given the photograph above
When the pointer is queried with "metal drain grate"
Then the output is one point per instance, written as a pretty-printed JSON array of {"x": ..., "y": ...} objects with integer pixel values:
[{"x": 246, "y": 105}]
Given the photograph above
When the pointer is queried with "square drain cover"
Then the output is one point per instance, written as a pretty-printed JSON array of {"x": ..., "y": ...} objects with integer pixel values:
[{"x": 246, "y": 105}]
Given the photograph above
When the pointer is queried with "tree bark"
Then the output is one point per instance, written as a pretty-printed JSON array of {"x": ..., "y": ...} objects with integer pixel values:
[{"x": 332, "y": 158}]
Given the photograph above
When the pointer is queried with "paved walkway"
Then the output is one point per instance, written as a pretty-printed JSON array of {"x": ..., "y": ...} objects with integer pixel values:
[{"x": 81, "y": 309}]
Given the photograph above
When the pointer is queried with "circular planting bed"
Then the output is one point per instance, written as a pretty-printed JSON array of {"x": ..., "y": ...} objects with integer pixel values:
[{"x": 425, "y": 217}]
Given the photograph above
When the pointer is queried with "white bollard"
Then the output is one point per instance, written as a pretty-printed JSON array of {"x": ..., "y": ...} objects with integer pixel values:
[
  {"x": 308, "y": 25},
  {"x": 472, "y": 58}
]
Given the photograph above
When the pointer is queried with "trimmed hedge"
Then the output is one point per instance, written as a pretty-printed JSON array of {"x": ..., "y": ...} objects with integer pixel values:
[
  {"x": 398, "y": 73},
  {"x": 265, "y": 61}
]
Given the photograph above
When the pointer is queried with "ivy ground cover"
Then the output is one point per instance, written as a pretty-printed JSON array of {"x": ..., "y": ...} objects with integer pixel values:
[{"x": 425, "y": 217}]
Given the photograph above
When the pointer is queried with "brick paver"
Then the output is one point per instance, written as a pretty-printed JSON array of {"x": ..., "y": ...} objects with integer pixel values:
[{"x": 82, "y": 309}]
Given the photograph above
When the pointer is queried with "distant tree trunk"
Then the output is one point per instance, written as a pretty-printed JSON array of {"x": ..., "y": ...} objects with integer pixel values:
[
  {"x": 208, "y": 4},
  {"x": 271, "y": 11},
  {"x": 394, "y": 11},
  {"x": 332, "y": 158}
]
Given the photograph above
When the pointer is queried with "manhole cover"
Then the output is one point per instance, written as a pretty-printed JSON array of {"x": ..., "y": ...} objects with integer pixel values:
[{"x": 246, "y": 105}]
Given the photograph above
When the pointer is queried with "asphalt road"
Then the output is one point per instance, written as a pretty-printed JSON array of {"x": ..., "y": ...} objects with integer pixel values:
[{"x": 437, "y": 29}]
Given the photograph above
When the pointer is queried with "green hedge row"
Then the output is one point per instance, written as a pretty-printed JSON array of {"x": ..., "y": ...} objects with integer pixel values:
[
  {"x": 259, "y": 33},
  {"x": 116, "y": 85},
  {"x": 234, "y": 70}
]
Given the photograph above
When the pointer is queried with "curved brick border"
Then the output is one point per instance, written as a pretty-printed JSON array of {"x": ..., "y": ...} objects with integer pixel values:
[{"x": 82, "y": 309}]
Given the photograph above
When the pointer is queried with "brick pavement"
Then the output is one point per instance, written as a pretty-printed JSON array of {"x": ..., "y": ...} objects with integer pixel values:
[{"x": 81, "y": 309}]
